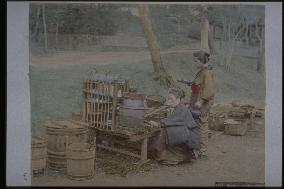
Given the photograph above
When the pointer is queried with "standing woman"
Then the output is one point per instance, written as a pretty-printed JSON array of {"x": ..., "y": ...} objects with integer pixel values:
[{"x": 202, "y": 96}]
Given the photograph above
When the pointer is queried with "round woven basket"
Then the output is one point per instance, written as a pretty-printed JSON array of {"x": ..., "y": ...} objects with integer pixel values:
[{"x": 236, "y": 127}]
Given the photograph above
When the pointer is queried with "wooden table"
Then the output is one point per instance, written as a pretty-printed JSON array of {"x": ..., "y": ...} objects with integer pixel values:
[{"x": 112, "y": 137}]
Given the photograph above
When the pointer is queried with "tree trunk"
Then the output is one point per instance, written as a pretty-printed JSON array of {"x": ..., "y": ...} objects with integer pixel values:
[
  {"x": 44, "y": 27},
  {"x": 211, "y": 40},
  {"x": 214, "y": 32},
  {"x": 224, "y": 34},
  {"x": 247, "y": 34},
  {"x": 225, "y": 30},
  {"x": 204, "y": 36},
  {"x": 36, "y": 30},
  {"x": 228, "y": 48},
  {"x": 261, "y": 60},
  {"x": 261, "y": 52},
  {"x": 160, "y": 71},
  {"x": 56, "y": 36}
]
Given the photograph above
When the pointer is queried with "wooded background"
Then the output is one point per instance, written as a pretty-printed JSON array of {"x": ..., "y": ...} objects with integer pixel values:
[{"x": 63, "y": 27}]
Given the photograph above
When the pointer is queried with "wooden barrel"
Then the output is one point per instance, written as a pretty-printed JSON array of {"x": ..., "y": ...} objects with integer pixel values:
[
  {"x": 77, "y": 116},
  {"x": 59, "y": 135},
  {"x": 80, "y": 161},
  {"x": 38, "y": 156}
]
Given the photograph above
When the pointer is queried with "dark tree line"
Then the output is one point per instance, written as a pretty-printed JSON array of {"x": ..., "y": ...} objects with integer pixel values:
[
  {"x": 90, "y": 19},
  {"x": 234, "y": 23}
]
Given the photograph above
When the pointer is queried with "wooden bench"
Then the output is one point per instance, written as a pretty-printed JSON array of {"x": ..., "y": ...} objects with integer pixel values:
[{"x": 125, "y": 137}]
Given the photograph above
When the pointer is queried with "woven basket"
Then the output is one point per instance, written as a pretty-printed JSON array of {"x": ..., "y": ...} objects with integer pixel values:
[
  {"x": 216, "y": 121},
  {"x": 236, "y": 127}
]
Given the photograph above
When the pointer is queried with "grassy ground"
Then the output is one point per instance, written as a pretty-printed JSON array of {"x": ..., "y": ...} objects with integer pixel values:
[{"x": 56, "y": 91}]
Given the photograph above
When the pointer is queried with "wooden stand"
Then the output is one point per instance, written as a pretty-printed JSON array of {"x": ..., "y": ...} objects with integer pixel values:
[
  {"x": 100, "y": 111},
  {"x": 126, "y": 138}
]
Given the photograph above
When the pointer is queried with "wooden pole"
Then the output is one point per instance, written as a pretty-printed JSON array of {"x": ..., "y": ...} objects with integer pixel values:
[
  {"x": 204, "y": 35},
  {"x": 114, "y": 104},
  {"x": 144, "y": 149}
]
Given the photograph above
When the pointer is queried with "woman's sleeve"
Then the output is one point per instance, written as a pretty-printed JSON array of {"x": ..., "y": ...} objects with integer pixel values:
[{"x": 208, "y": 91}]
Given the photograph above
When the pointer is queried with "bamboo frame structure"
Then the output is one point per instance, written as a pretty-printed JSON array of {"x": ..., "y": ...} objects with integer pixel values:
[{"x": 100, "y": 102}]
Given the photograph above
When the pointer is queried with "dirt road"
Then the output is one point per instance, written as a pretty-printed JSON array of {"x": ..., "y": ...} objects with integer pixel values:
[
  {"x": 231, "y": 158},
  {"x": 97, "y": 57}
]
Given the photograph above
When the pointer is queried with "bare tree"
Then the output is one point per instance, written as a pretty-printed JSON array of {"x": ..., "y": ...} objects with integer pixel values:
[
  {"x": 247, "y": 33},
  {"x": 44, "y": 26},
  {"x": 231, "y": 33},
  {"x": 56, "y": 35},
  {"x": 261, "y": 51},
  {"x": 211, "y": 36},
  {"x": 204, "y": 35},
  {"x": 36, "y": 30}
]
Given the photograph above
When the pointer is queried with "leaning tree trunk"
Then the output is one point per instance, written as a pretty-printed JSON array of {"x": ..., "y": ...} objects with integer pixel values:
[
  {"x": 44, "y": 27},
  {"x": 204, "y": 35},
  {"x": 160, "y": 71}
]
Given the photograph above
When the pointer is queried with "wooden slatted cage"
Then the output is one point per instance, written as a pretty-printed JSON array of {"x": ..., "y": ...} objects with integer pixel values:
[{"x": 100, "y": 98}]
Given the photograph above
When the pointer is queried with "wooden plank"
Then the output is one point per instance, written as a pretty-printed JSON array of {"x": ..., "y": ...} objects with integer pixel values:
[
  {"x": 119, "y": 150},
  {"x": 108, "y": 105},
  {"x": 145, "y": 135},
  {"x": 114, "y": 104},
  {"x": 95, "y": 110},
  {"x": 144, "y": 147},
  {"x": 111, "y": 133},
  {"x": 99, "y": 109},
  {"x": 84, "y": 103},
  {"x": 105, "y": 107}
]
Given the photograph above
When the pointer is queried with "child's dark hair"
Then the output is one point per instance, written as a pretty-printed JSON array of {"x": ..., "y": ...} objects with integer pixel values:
[{"x": 202, "y": 56}]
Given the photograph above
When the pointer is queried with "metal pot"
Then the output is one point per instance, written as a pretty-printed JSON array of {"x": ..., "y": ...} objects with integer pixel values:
[
  {"x": 129, "y": 117},
  {"x": 134, "y": 104}
]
